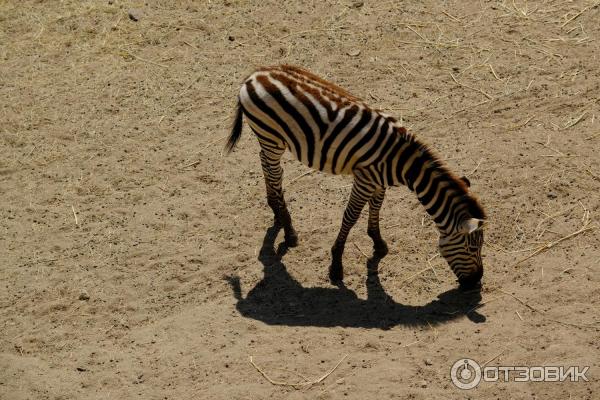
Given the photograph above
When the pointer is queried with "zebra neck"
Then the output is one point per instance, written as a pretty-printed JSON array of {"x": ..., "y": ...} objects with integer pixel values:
[{"x": 443, "y": 195}]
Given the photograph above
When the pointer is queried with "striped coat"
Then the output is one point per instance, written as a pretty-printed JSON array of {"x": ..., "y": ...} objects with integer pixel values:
[{"x": 329, "y": 129}]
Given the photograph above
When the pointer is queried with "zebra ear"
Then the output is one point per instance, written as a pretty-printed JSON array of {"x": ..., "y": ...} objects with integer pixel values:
[
  {"x": 470, "y": 225},
  {"x": 466, "y": 181}
]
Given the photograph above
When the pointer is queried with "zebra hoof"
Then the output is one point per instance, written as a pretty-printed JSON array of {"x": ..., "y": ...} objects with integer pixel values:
[
  {"x": 291, "y": 240},
  {"x": 336, "y": 273},
  {"x": 380, "y": 250}
]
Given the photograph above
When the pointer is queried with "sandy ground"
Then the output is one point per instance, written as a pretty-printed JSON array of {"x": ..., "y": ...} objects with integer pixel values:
[{"x": 138, "y": 260}]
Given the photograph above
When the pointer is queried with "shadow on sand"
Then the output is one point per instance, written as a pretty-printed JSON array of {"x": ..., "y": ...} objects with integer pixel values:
[{"x": 278, "y": 299}]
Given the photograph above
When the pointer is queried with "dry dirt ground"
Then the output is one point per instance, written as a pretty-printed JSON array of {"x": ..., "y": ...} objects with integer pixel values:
[{"x": 138, "y": 260}]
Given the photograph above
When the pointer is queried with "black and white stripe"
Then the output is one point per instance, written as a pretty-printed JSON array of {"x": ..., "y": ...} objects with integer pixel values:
[{"x": 330, "y": 130}]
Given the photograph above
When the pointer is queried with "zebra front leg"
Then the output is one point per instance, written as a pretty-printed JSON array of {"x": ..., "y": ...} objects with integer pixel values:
[
  {"x": 270, "y": 161},
  {"x": 379, "y": 245},
  {"x": 361, "y": 192}
]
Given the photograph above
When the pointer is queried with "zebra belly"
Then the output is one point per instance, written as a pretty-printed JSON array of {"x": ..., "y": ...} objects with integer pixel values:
[{"x": 320, "y": 162}]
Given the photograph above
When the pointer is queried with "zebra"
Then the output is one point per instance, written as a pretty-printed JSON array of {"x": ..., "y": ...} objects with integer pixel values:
[{"x": 331, "y": 130}]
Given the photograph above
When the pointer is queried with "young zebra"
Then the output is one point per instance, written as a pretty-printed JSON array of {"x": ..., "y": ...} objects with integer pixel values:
[{"x": 331, "y": 130}]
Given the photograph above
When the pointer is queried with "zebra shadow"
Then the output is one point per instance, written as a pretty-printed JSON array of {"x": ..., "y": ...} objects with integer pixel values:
[{"x": 278, "y": 299}]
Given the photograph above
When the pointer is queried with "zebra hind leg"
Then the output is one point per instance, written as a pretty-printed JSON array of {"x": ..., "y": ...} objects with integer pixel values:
[
  {"x": 361, "y": 192},
  {"x": 270, "y": 158},
  {"x": 380, "y": 247}
]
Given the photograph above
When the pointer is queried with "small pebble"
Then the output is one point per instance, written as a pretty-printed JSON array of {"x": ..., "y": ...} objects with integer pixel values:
[
  {"x": 340, "y": 381},
  {"x": 135, "y": 14},
  {"x": 428, "y": 362},
  {"x": 357, "y": 4},
  {"x": 423, "y": 384},
  {"x": 84, "y": 296},
  {"x": 551, "y": 195},
  {"x": 354, "y": 53}
]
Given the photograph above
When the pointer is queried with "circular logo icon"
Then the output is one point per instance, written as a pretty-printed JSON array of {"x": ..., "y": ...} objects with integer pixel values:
[{"x": 465, "y": 373}]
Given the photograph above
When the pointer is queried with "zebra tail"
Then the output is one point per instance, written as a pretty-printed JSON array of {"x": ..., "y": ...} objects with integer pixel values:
[{"x": 236, "y": 129}]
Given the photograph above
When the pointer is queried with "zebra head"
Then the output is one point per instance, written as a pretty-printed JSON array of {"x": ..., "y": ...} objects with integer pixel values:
[{"x": 462, "y": 251}]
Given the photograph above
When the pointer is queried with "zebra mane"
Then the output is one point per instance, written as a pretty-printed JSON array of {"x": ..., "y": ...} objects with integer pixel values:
[{"x": 434, "y": 161}]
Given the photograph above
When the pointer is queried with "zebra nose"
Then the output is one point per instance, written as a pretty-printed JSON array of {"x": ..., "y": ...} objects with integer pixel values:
[{"x": 469, "y": 284}]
